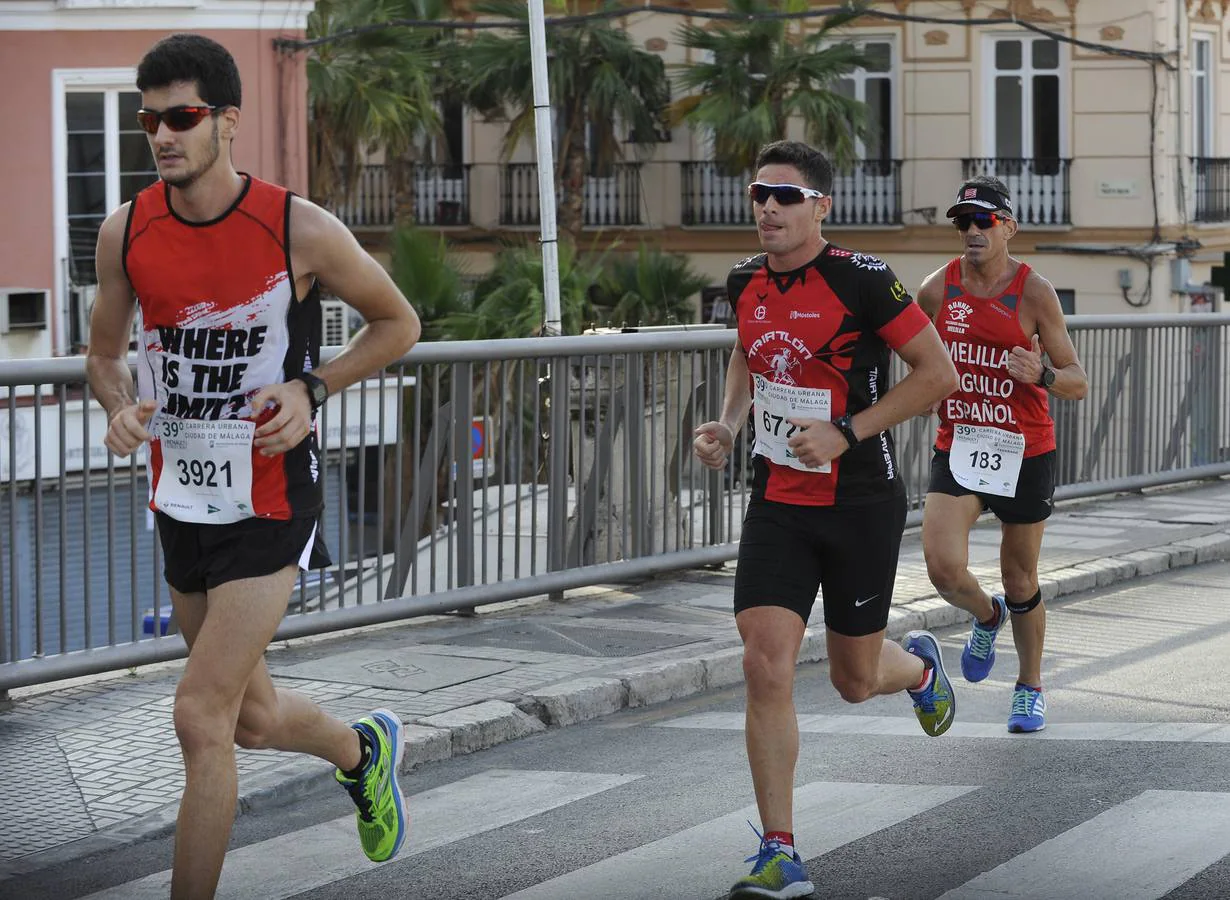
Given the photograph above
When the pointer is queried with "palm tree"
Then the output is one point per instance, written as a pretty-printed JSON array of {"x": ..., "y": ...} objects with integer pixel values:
[
  {"x": 508, "y": 301},
  {"x": 374, "y": 90},
  {"x": 600, "y": 83},
  {"x": 650, "y": 288},
  {"x": 760, "y": 73}
]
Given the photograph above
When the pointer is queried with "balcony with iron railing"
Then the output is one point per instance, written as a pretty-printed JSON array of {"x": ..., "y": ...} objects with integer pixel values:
[
  {"x": 1212, "y": 187},
  {"x": 865, "y": 193},
  {"x": 612, "y": 199},
  {"x": 1040, "y": 188},
  {"x": 439, "y": 196}
]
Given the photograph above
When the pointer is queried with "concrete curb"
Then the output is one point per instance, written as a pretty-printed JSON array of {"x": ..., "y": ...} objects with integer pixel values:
[{"x": 492, "y": 722}]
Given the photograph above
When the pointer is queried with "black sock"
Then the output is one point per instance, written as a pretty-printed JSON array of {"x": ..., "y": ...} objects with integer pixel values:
[{"x": 365, "y": 749}]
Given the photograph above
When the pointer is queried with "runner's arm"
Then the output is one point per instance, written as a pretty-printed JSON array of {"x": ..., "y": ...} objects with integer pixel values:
[
  {"x": 737, "y": 399},
  {"x": 931, "y": 294},
  {"x": 106, "y": 361},
  {"x": 1071, "y": 383},
  {"x": 323, "y": 247},
  {"x": 932, "y": 377}
]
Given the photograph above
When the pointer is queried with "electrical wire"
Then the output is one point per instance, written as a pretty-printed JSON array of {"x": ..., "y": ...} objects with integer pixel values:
[{"x": 620, "y": 12}]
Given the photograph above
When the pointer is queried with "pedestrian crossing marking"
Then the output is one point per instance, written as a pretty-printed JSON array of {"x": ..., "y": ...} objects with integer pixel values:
[
  {"x": 907, "y": 726},
  {"x": 1141, "y": 849},
  {"x": 309, "y": 858},
  {"x": 827, "y": 815}
]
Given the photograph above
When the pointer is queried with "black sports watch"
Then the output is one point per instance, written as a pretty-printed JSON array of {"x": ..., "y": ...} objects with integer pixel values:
[
  {"x": 1047, "y": 378},
  {"x": 318, "y": 391},
  {"x": 847, "y": 429}
]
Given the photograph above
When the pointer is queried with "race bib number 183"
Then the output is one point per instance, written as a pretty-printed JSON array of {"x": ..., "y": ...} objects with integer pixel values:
[
  {"x": 206, "y": 472},
  {"x": 985, "y": 459}
]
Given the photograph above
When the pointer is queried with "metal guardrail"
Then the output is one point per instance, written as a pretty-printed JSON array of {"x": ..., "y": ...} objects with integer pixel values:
[{"x": 477, "y": 472}]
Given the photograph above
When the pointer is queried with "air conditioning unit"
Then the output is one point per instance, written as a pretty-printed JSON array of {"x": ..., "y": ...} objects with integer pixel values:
[
  {"x": 23, "y": 309},
  {"x": 333, "y": 330}
]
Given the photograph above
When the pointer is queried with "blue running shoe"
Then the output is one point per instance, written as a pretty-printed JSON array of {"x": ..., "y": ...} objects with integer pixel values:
[
  {"x": 775, "y": 874},
  {"x": 978, "y": 657},
  {"x": 936, "y": 704},
  {"x": 1028, "y": 710}
]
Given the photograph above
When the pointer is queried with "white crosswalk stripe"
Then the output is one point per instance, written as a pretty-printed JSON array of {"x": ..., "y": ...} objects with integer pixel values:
[
  {"x": 907, "y": 726},
  {"x": 1140, "y": 849},
  {"x": 301, "y": 860},
  {"x": 829, "y": 815}
]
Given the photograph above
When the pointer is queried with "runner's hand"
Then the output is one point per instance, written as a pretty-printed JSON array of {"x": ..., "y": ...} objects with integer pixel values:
[
  {"x": 292, "y": 422},
  {"x": 126, "y": 430},
  {"x": 1026, "y": 365},
  {"x": 816, "y": 442},
  {"x": 713, "y": 444}
]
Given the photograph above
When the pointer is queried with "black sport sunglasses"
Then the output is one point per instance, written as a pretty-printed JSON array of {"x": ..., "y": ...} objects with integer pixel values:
[
  {"x": 785, "y": 194},
  {"x": 178, "y": 118},
  {"x": 984, "y": 220}
]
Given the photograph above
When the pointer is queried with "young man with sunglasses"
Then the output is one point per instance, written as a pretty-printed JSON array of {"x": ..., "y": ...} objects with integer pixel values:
[
  {"x": 996, "y": 443},
  {"x": 225, "y": 269},
  {"x": 816, "y": 326}
]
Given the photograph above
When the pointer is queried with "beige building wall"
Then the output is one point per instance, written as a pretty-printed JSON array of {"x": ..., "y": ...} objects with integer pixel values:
[{"x": 1128, "y": 152}]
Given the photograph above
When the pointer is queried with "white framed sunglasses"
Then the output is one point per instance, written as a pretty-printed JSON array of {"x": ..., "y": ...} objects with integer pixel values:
[{"x": 784, "y": 194}]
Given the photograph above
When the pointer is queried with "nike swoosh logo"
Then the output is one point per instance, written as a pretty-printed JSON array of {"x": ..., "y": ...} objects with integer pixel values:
[
  {"x": 947, "y": 716},
  {"x": 865, "y": 600}
]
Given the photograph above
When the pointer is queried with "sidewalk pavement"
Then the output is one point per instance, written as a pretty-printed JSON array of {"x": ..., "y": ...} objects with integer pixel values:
[{"x": 94, "y": 763}]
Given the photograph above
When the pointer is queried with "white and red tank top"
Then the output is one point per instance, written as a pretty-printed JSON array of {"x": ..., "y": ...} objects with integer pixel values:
[
  {"x": 980, "y": 333},
  {"x": 220, "y": 319}
]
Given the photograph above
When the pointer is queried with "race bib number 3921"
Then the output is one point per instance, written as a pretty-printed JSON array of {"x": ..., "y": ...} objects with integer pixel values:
[
  {"x": 776, "y": 404},
  {"x": 206, "y": 472}
]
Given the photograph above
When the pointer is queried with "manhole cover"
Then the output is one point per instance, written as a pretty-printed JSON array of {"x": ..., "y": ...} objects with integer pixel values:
[{"x": 576, "y": 640}]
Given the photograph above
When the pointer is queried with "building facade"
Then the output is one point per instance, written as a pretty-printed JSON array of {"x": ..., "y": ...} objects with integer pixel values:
[
  {"x": 1119, "y": 161},
  {"x": 74, "y": 151}
]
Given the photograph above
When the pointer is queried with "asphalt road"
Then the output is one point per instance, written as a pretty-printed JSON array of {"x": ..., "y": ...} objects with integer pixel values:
[{"x": 1125, "y": 795}]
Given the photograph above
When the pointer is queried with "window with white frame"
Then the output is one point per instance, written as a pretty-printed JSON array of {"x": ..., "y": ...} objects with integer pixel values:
[
  {"x": 874, "y": 86},
  {"x": 1026, "y": 98},
  {"x": 1202, "y": 96},
  {"x": 101, "y": 160}
]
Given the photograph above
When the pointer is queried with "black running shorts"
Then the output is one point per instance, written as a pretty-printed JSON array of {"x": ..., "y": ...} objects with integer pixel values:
[
  {"x": 788, "y": 552},
  {"x": 1035, "y": 489},
  {"x": 199, "y": 558}
]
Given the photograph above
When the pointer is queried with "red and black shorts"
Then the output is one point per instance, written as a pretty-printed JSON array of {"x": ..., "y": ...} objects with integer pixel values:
[{"x": 849, "y": 553}]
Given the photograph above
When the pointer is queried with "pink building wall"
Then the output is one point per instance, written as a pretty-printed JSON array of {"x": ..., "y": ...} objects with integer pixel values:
[{"x": 272, "y": 143}]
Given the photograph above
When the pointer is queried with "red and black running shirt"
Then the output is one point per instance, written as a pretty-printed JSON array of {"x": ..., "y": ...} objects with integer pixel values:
[
  {"x": 980, "y": 333},
  {"x": 220, "y": 320},
  {"x": 828, "y": 325}
]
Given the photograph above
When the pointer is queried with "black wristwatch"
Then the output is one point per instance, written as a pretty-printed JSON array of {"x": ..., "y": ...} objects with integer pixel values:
[
  {"x": 318, "y": 391},
  {"x": 1047, "y": 378},
  {"x": 847, "y": 430}
]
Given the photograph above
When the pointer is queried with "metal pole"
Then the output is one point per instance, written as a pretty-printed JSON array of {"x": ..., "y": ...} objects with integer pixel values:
[{"x": 543, "y": 136}]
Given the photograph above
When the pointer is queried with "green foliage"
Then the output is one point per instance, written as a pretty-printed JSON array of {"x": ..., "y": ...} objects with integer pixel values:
[
  {"x": 422, "y": 268},
  {"x": 763, "y": 71},
  {"x": 374, "y": 90},
  {"x": 650, "y": 288},
  {"x": 598, "y": 77},
  {"x": 508, "y": 301}
]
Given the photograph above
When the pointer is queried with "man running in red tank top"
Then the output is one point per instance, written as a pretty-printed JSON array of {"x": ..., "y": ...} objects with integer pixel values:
[
  {"x": 995, "y": 448},
  {"x": 225, "y": 271}
]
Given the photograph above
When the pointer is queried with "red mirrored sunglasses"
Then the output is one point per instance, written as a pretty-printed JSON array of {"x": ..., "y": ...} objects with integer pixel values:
[
  {"x": 178, "y": 118},
  {"x": 984, "y": 220}
]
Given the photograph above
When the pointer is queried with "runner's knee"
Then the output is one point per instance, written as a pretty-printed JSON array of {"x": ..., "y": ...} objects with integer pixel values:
[
  {"x": 256, "y": 726},
  {"x": 767, "y": 672},
  {"x": 854, "y": 687},
  {"x": 946, "y": 572},
  {"x": 202, "y": 721},
  {"x": 1021, "y": 607}
]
